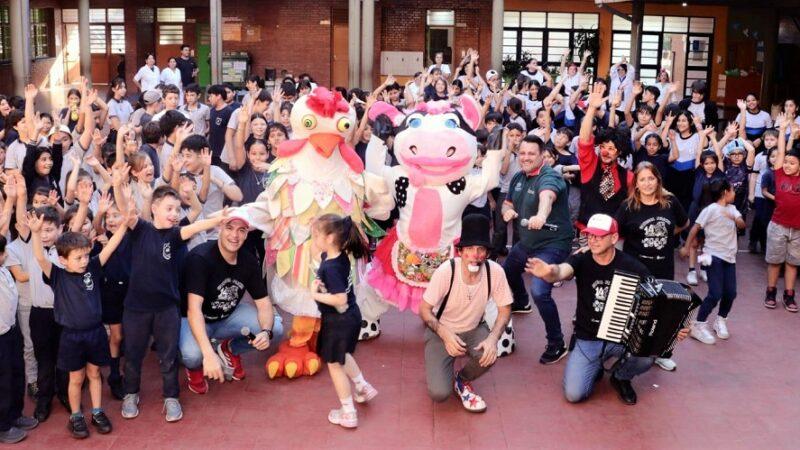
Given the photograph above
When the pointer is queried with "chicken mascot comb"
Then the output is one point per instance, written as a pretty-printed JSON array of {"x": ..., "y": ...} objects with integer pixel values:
[
  {"x": 316, "y": 173},
  {"x": 434, "y": 182}
]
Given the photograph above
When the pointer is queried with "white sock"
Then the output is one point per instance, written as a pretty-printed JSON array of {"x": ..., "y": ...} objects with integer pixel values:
[
  {"x": 347, "y": 404},
  {"x": 359, "y": 381}
]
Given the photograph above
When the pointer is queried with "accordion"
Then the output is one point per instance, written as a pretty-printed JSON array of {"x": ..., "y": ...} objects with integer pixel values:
[{"x": 646, "y": 315}]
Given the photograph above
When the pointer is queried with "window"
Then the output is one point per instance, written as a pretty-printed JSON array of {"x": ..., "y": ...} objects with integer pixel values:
[
  {"x": 104, "y": 38},
  {"x": 170, "y": 34},
  {"x": 5, "y": 35},
  {"x": 41, "y": 26},
  {"x": 545, "y": 36},
  {"x": 171, "y": 14},
  {"x": 439, "y": 34}
]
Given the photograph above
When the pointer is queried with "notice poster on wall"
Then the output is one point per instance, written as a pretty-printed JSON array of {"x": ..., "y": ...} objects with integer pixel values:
[
  {"x": 232, "y": 31},
  {"x": 252, "y": 33}
]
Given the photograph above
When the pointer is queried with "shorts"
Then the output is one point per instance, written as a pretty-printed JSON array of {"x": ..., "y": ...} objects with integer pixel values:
[
  {"x": 79, "y": 347},
  {"x": 783, "y": 244},
  {"x": 112, "y": 299}
]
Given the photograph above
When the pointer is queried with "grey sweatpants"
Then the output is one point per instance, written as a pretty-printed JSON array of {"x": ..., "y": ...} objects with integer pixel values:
[{"x": 439, "y": 364}]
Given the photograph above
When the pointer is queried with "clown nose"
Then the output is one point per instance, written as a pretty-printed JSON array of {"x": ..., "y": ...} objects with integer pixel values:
[
  {"x": 324, "y": 143},
  {"x": 604, "y": 153}
]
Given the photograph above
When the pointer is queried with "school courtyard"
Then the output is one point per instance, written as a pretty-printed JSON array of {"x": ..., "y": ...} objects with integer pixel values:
[{"x": 737, "y": 394}]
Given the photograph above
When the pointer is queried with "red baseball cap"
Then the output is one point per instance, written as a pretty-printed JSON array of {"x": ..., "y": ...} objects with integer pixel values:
[{"x": 601, "y": 225}]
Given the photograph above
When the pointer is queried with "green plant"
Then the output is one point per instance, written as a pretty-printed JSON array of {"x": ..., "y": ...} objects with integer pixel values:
[
  {"x": 587, "y": 41},
  {"x": 513, "y": 66}
]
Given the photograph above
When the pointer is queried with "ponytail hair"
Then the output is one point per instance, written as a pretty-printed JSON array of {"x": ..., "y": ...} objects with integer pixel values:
[{"x": 348, "y": 236}]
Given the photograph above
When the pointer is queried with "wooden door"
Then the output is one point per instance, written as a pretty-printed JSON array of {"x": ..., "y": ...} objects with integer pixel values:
[
  {"x": 169, "y": 40},
  {"x": 72, "y": 53},
  {"x": 340, "y": 56}
]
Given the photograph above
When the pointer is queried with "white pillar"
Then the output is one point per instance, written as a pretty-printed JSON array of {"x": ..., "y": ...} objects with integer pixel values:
[
  {"x": 353, "y": 42},
  {"x": 498, "y": 6},
  {"x": 216, "y": 41},
  {"x": 20, "y": 43},
  {"x": 367, "y": 43},
  {"x": 83, "y": 39}
]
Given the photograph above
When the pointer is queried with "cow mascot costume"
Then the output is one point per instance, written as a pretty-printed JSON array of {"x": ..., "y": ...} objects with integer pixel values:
[
  {"x": 436, "y": 149},
  {"x": 315, "y": 173}
]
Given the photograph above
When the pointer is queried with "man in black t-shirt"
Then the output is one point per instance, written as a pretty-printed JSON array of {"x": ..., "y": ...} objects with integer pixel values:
[
  {"x": 218, "y": 122},
  {"x": 187, "y": 65},
  {"x": 217, "y": 275},
  {"x": 593, "y": 271}
]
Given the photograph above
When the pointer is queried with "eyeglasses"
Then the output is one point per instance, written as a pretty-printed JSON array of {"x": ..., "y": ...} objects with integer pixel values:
[{"x": 595, "y": 237}]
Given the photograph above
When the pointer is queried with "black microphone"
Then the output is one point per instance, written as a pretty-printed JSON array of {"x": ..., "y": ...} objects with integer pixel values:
[
  {"x": 547, "y": 226},
  {"x": 246, "y": 332}
]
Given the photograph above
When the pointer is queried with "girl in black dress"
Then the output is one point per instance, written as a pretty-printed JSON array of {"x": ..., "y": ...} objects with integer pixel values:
[{"x": 338, "y": 239}]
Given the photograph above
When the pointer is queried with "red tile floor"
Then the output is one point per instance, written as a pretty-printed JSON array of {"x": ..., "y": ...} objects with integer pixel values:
[{"x": 740, "y": 393}]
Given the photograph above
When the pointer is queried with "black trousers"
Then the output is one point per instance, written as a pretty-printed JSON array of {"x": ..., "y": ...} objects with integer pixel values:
[
  {"x": 46, "y": 335},
  {"x": 165, "y": 327},
  {"x": 12, "y": 378}
]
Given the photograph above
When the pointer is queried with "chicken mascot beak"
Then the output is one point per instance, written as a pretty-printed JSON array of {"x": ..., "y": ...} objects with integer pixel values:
[{"x": 324, "y": 143}]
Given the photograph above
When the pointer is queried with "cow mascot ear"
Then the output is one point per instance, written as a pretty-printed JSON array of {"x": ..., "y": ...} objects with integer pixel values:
[{"x": 471, "y": 111}]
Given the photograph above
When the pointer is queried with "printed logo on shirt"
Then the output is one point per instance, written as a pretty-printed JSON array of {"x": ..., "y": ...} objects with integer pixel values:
[
  {"x": 655, "y": 233},
  {"x": 88, "y": 282},
  {"x": 166, "y": 251},
  {"x": 600, "y": 288},
  {"x": 218, "y": 121},
  {"x": 228, "y": 293}
]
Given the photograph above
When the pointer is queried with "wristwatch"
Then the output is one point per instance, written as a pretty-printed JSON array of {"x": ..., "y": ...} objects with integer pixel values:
[{"x": 269, "y": 333}]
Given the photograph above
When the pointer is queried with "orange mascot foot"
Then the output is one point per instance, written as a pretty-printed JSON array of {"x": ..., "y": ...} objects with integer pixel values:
[{"x": 295, "y": 357}]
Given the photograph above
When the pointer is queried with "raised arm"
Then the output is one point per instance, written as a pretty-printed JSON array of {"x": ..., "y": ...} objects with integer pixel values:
[
  {"x": 241, "y": 136},
  {"x": 84, "y": 194},
  {"x": 742, "y": 118},
  {"x": 116, "y": 238},
  {"x": 85, "y": 139},
  {"x": 595, "y": 100},
  {"x": 35, "y": 224},
  {"x": 203, "y": 225},
  {"x": 782, "y": 123}
]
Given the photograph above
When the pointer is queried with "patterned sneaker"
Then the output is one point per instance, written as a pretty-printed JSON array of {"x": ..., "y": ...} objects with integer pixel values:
[
  {"x": 365, "y": 394},
  {"x": 471, "y": 401},
  {"x": 343, "y": 419},
  {"x": 788, "y": 301},
  {"x": 101, "y": 423},
  {"x": 196, "y": 382},
  {"x": 231, "y": 360},
  {"x": 172, "y": 409},
  {"x": 130, "y": 406}
]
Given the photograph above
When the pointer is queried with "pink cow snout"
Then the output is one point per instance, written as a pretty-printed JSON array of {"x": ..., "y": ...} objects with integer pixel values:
[{"x": 436, "y": 156}]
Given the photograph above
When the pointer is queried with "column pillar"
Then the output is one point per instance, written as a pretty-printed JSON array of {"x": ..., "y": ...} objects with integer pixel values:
[
  {"x": 353, "y": 43},
  {"x": 637, "y": 17},
  {"x": 215, "y": 11},
  {"x": 83, "y": 40},
  {"x": 19, "y": 17},
  {"x": 367, "y": 43},
  {"x": 498, "y": 6}
]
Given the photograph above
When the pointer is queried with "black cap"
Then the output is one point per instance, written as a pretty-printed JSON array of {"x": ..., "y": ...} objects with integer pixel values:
[{"x": 475, "y": 231}]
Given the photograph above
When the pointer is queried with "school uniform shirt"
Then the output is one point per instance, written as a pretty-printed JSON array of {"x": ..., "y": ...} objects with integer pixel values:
[
  {"x": 148, "y": 77},
  {"x": 173, "y": 77},
  {"x": 16, "y": 151},
  {"x": 251, "y": 183},
  {"x": 659, "y": 160},
  {"x": 687, "y": 152},
  {"x": 444, "y": 68},
  {"x": 536, "y": 76},
  {"x": 755, "y": 124},
  {"x": 760, "y": 167},
  {"x": 121, "y": 109},
  {"x": 233, "y": 124},
  {"x": 649, "y": 234},
  {"x": 719, "y": 231},
  {"x": 9, "y": 298},
  {"x": 523, "y": 193},
  {"x": 77, "y": 296},
  {"x": 593, "y": 282},
  {"x": 40, "y": 293},
  {"x": 156, "y": 117},
  {"x": 221, "y": 284},
  {"x": 23, "y": 289},
  {"x": 215, "y": 197},
  {"x": 467, "y": 304},
  {"x": 199, "y": 115},
  {"x": 218, "y": 124},
  {"x": 337, "y": 276},
  {"x": 787, "y": 199},
  {"x": 513, "y": 169},
  {"x": 154, "y": 268}
]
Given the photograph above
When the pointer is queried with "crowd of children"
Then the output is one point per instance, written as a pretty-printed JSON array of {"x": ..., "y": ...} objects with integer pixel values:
[{"x": 103, "y": 200}]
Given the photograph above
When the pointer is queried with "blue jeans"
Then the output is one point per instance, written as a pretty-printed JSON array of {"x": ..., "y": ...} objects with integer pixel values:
[
  {"x": 245, "y": 315},
  {"x": 586, "y": 360},
  {"x": 721, "y": 289},
  {"x": 514, "y": 266}
]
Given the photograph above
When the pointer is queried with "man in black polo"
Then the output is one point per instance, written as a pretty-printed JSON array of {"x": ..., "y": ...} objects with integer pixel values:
[
  {"x": 187, "y": 65},
  {"x": 217, "y": 275},
  {"x": 539, "y": 195}
]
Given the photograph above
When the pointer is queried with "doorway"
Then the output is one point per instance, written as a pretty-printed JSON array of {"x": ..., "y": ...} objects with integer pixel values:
[{"x": 340, "y": 57}]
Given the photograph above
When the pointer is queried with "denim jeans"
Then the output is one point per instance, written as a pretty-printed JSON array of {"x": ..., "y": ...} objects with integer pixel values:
[
  {"x": 586, "y": 360},
  {"x": 514, "y": 267},
  {"x": 721, "y": 289},
  {"x": 245, "y": 315}
]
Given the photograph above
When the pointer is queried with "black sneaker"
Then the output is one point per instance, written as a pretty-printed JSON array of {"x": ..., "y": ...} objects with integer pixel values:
[
  {"x": 770, "y": 299},
  {"x": 77, "y": 426},
  {"x": 624, "y": 390},
  {"x": 12, "y": 435},
  {"x": 42, "y": 411},
  {"x": 553, "y": 353},
  {"x": 33, "y": 390},
  {"x": 26, "y": 423},
  {"x": 117, "y": 387},
  {"x": 527, "y": 309},
  {"x": 101, "y": 423},
  {"x": 788, "y": 301}
]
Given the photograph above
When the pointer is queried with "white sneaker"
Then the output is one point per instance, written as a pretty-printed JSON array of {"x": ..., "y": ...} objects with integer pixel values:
[
  {"x": 701, "y": 332},
  {"x": 703, "y": 275},
  {"x": 721, "y": 327},
  {"x": 691, "y": 278},
  {"x": 666, "y": 364}
]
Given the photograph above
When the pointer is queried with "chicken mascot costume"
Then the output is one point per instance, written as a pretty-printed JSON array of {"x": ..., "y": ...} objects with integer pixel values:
[
  {"x": 316, "y": 173},
  {"x": 436, "y": 149}
]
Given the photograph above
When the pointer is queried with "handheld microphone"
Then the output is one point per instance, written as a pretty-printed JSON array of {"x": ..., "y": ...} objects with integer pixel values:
[
  {"x": 547, "y": 226},
  {"x": 246, "y": 332}
]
